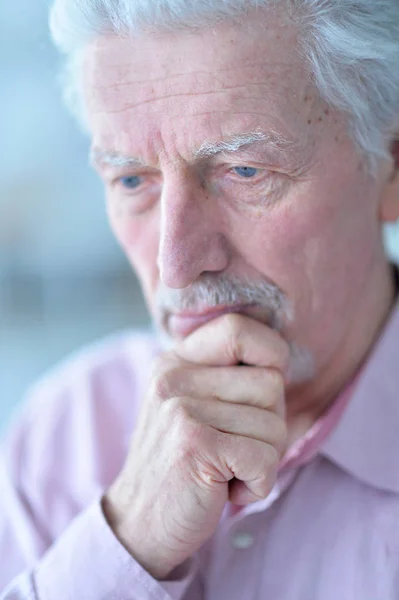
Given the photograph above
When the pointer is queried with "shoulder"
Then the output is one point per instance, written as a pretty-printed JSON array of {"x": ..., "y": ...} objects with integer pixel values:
[
  {"x": 128, "y": 351},
  {"x": 110, "y": 368}
]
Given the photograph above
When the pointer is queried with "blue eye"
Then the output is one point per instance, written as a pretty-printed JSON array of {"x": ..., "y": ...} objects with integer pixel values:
[
  {"x": 246, "y": 172},
  {"x": 131, "y": 183}
]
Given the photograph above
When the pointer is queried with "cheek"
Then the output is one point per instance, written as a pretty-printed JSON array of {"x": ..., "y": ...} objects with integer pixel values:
[
  {"x": 318, "y": 248},
  {"x": 337, "y": 239},
  {"x": 139, "y": 238}
]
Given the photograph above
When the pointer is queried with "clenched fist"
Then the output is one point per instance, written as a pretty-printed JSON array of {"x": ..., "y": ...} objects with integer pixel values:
[{"x": 211, "y": 429}]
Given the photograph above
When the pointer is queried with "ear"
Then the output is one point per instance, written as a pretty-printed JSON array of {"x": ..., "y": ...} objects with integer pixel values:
[{"x": 389, "y": 206}]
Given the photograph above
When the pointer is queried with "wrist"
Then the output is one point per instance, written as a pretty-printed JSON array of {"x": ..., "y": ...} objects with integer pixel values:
[{"x": 136, "y": 539}]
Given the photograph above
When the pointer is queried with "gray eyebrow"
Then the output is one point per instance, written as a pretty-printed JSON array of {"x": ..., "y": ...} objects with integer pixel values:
[
  {"x": 113, "y": 159},
  {"x": 236, "y": 142},
  {"x": 232, "y": 144}
]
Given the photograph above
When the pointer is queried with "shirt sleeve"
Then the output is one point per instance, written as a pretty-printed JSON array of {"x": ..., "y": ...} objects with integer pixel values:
[
  {"x": 55, "y": 543},
  {"x": 89, "y": 562}
]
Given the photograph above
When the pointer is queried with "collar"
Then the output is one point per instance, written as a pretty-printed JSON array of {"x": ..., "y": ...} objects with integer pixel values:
[{"x": 365, "y": 443}]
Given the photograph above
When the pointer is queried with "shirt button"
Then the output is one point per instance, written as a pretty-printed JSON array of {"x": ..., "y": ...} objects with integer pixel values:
[{"x": 242, "y": 540}]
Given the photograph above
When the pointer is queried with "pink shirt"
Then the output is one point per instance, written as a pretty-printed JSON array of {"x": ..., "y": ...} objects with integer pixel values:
[{"x": 329, "y": 530}]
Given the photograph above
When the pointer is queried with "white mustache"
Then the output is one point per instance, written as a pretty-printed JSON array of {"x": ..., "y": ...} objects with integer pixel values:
[{"x": 212, "y": 291}]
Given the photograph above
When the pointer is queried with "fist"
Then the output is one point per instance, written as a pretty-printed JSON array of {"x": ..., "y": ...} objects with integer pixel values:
[{"x": 211, "y": 429}]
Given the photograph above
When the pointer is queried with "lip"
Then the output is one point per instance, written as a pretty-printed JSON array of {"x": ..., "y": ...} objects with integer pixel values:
[{"x": 182, "y": 324}]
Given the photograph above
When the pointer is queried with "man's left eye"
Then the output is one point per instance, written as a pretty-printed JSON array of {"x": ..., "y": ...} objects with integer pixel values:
[
  {"x": 132, "y": 182},
  {"x": 246, "y": 172}
]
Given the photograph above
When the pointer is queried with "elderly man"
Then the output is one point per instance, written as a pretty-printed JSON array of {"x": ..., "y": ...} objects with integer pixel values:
[{"x": 249, "y": 155}]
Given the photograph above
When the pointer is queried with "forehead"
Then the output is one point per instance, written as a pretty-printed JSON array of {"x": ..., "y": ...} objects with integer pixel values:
[{"x": 189, "y": 87}]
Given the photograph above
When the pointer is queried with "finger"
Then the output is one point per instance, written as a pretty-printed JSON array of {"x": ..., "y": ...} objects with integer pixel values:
[
  {"x": 242, "y": 493},
  {"x": 237, "y": 419},
  {"x": 252, "y": 386},
  {"x": 233, "y": 339},
  {"x": 251, "y": 462}
]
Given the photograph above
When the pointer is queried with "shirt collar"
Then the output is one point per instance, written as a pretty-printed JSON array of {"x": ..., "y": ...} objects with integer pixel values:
[{"x": 365, "y": 443}]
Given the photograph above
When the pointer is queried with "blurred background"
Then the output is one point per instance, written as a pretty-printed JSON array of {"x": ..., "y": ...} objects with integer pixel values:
[{"x": 63, "y": 280}]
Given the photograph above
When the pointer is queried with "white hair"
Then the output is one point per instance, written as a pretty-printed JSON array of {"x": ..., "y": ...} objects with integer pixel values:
[{"x": 351, "y": 48}]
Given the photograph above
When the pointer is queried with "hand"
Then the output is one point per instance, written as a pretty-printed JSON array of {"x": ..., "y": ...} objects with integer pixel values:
[{"x": 209, "y": 431}]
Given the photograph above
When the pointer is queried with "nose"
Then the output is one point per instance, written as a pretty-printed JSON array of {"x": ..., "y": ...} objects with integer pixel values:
[{"x": 191, "y": 237}]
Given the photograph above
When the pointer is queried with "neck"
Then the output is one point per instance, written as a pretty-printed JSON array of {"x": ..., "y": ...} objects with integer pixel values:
[{"x": 305, "y": 404}]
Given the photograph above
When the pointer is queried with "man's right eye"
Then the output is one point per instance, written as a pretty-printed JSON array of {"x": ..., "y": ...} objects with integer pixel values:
[{"x": 131, "y": 183}]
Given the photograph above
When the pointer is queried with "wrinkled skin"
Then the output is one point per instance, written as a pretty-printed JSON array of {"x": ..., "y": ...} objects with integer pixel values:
[{"x": 308, "y": 221}]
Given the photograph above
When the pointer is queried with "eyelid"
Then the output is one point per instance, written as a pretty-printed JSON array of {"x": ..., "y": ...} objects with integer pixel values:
[
  {"x": 246, "y": 166},
  {"x": 129, "y": 171}
]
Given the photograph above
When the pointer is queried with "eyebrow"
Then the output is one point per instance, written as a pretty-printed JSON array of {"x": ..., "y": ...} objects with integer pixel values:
[
  {"x": 113, "y": 159},
  {"x": 230, "y": 145},
  {"x": 235, "y": 143}
]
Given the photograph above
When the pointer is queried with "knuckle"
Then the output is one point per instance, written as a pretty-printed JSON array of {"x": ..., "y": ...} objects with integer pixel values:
[
  {"x": 280, "y": 433},
  {"x": 234, "y": 331},
  {"x": 234, "y": 324},
  {"x": 275, "y": 385},
  {"x": 264, "y": 470},
  {"x": 267, "y": 485},
  {"x": 271, "y": 389},
  {"x": 264, "y": 485},
  {"x": 160, "y": 386},
  {"x": 187, "y": 431},
  {"x": 164, "y": 383},
  {"x": 178, "y": 409},
  {"x": 265, "y": 488},
  {"x": 159, "y": 365},
  {"x": 181, "y": 415},
  {"x": 271, "y": 458},
  {"x": 164, "y": 362}
]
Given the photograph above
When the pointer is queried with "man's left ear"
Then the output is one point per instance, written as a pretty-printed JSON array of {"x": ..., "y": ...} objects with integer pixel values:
[{"x": 389, "y": 206}]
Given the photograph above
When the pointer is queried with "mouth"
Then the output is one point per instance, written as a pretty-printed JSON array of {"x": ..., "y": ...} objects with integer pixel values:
[{"x": 181, "y": 324}]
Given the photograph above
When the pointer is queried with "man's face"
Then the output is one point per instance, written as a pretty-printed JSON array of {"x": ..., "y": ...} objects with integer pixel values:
[{"x": 284, "y": 229}]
